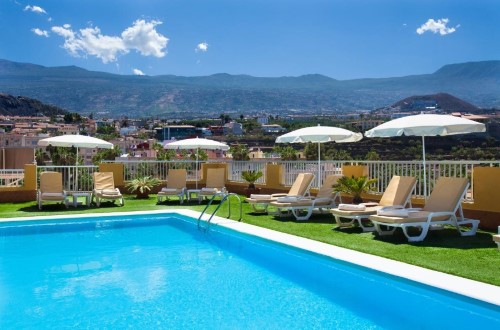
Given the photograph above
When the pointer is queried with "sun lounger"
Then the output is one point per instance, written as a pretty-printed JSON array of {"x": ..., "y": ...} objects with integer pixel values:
[
  {"x": 176, "y": 186},
  {"x": 51, "y": 189},
  {"x": 396, "y": 195},
  {"x": 302, "y": 207},
  {"x": 104, "y": 188},
  {"x": 300, "y": 188},
  {"x": 440, "y": 209},
  {"x": 215, "y": 184}
]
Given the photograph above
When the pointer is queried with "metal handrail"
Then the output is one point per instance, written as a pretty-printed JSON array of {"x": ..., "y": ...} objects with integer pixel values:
[{"x": 225, "y": 196}]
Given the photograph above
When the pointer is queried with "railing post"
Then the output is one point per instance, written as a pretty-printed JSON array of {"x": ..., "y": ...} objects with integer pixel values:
[
  {"x": 274, "y": 175},
  {"x": 118, "y": 172},
  {"x": 30, "y": 177}
]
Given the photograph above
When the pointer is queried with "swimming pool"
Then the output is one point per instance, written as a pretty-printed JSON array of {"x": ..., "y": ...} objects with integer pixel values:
[{"x": 156, "y": 270}]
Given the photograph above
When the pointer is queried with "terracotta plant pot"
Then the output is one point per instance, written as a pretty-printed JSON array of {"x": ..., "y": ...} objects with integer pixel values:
[{"x": 249, "y": 191}]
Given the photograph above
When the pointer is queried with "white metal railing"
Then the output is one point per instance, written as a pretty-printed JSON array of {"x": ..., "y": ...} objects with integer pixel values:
[
  {"x": 384, "y": 170},
  {"x": 237, "y": 167},
  {"x": 159, "y": 168},
  {"x": 11, "y": 178},
  {"x": 292, "y": 168},
  {"x": 380, "y": 170},
  {"x": 75, "y": 178}
]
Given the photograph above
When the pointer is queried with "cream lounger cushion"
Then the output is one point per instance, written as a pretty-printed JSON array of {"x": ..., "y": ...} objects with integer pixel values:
[
  {"x": 170, "y": 190},
  {"x": 289, "y": 199},
  {"x": 260, "y": 196},
  {"x": 352, "y": 207}
]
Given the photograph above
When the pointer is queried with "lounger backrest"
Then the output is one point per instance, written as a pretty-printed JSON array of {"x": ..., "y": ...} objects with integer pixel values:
[
  {"x": 51, "y": 182},
  {"x": 177, "y": 179},
  {"x": 398, "y": 191},
  {"x": 326, "y": 190},
  {"x": 215, "y": 178},
  {"x": 446, "y": 195},
  {"x": 301, "y": 184},
  {"x": 104, "y": 180}
]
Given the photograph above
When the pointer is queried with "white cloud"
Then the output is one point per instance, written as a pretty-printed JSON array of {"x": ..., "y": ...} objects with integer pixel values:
[
  {"x": 64, "y": 31},
  {"x": 438, "y": 26},
  {"x": 141, "y": 36},
  {"x": 39, "y": 32},
  {"x": 138, "y": 72},
  {"x": 201, "y": 47},
  {"x": 35, "y": 9}
]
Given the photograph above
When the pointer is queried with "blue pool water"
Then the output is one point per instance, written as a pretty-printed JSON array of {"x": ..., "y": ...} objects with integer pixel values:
[{"x": 159, "y": 271}]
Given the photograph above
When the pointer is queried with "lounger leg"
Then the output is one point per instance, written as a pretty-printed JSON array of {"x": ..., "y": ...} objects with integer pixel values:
[
  {"x": 296, "y": 214},
  {"x": 419, "y": 238},
  {"x": 341, "y": 224},
  {"x": 472, "y": 231},
  {"x": 256, "y": 209},
  {"x": 383, "y": 232},
  {"x": 365, "y": 228}
]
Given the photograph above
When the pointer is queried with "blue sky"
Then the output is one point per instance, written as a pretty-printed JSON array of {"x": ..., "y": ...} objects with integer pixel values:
[{"x": 269, "y": 38}]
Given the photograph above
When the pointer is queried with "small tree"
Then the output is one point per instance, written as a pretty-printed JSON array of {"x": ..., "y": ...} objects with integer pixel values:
[
  {"x": 106, "y": 154},
  {"x": 286, "y": 153},
  {"x": 251, "y": 176},
  {"x": 142, "y": 186},
  {"x": 354, "y": 186},
  {"x": 239, "y": 152}
]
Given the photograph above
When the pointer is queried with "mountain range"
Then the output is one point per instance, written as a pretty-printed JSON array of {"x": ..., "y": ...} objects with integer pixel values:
[{"x": 167, "y": 96}]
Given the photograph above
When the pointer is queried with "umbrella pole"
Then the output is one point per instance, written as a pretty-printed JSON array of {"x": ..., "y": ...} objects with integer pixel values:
[
  {"x": 425, "y": 174},
  {"x": 319, "y": 166},
  {"x": 197, "y": 168},
  {"x": 76, "y": 169}
]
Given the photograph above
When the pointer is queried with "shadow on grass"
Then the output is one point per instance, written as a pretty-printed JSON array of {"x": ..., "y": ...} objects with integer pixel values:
[
  {"x": 445, "y": 238},
  {"x": 53, "y": 208}
]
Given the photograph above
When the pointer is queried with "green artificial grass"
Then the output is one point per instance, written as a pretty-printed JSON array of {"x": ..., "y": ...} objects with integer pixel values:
[{"x": 475, "y": 257}]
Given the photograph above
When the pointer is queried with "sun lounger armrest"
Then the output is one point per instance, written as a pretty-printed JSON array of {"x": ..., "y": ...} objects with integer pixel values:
[
  {"x": 320, "y": 200},
  {"x": 439, "y": 214}
]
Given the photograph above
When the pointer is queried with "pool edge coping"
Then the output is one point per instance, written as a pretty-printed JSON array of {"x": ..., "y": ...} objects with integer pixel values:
[{"x": 485, "y": 292}]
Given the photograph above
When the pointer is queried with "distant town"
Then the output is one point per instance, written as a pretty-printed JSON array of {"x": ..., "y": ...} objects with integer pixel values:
[{"x": 141, "y": 138}]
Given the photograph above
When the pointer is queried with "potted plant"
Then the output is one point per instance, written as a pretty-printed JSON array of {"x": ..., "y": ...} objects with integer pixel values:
[
  {"x": 142, "y": 186},
  {"x": 354, "y": 186},
  {"x": 251, "y": 176}
]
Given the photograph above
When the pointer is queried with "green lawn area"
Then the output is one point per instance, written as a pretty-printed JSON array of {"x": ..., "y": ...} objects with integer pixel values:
[{"x": 475, "y": 257}]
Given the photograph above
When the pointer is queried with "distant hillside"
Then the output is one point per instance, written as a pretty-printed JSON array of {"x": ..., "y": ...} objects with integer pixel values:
[
  {"x": 169, "y": 96},
  {"x": 443, "y": 101},
  {"x": 23, "y": 106},
  {"x": 474, "y": 70}
]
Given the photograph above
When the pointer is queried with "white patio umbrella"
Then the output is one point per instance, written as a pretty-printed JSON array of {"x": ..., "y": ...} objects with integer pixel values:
[
  {"x": 197, "y": 143},
  {"x": 77, "y": 141},
  {"x": 426, "y": 125},
  {"x": 319, "y": 134}
]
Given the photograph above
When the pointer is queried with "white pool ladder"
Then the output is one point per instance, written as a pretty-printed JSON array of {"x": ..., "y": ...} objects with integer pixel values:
[{"x": 224, "y": 196}]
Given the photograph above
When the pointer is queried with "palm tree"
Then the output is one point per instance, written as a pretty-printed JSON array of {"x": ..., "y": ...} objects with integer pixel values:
[{"x": 354, "y": 186}]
